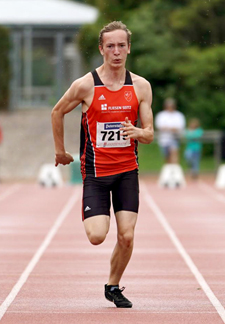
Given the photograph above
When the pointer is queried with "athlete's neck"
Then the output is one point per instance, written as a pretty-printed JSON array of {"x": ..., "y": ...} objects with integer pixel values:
[{"x": 112, "y": 78}]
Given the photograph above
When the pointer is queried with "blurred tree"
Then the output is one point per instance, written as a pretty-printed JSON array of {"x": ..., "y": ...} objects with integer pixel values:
[
  {"x": 200, "y": 23},
  {"x": 114, "y": 9},
  {"x": 155, "y": 51},
  {"x": 202, "y": 84},
  {"x": 88, "y": 42},
  {"x": 199, "y": 28},
  {"x": 4, "y": 67},
  {"x": 175, "y": 64}
]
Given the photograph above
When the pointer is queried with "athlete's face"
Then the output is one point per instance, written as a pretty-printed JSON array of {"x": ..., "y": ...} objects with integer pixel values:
[{"x": 115, "y": 48}]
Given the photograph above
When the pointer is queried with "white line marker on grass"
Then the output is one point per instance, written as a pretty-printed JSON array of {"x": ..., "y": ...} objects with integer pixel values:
[
  {"x": 10, "y": 191},
  {"x": 24, "y": 276},
  {"x": 168, "y": 229}
]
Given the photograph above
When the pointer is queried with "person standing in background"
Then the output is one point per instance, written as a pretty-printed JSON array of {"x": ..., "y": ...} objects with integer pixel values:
[
  {"x": 170, "y": 124},
  {"x": 193, "y": 148}
]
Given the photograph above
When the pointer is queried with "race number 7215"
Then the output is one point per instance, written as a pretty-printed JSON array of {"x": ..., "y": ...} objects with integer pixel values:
[{"x": 110, "y": 135}]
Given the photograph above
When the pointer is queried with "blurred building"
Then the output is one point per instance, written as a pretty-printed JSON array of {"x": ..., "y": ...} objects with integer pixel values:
[{"x": 44, "y": 56}]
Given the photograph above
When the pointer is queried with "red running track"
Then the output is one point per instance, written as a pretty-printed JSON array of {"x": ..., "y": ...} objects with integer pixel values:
[{"x": 50, "y": 273}]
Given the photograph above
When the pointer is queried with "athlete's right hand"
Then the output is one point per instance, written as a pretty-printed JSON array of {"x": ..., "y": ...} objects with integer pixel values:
[{"x": 64, "y": 159}]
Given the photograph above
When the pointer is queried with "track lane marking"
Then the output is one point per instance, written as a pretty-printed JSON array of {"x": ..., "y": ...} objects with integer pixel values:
[
  {"x": 212, "y": 192},
  {"x": 114, "y": 310},
  {"x": 193, "y": 268},
  {"x": 24, "y": 276},
  {"x": 10, "y": 191}
]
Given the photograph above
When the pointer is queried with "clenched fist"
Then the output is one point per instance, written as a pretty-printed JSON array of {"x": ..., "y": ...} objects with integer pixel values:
[{"x": 64, "y": 159}]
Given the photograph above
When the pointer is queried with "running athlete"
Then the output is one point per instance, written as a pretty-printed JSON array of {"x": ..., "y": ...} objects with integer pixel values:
[{"x": 111, "y": 99}]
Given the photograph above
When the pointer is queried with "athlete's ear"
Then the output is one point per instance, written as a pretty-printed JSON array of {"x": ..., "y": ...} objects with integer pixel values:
[
  {"x": 129, "y": 45},
  {"x": 101, "y": 49}
]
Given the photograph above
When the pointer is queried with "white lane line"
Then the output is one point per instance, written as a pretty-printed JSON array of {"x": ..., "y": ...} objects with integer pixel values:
[
  {"x": 24, "y": 276},
  {"x": 212, "y": 192},
  {"x": 200, "y": 279},
  {"x": 10, "y": 191},
  {"x": 114, "y": 310}
]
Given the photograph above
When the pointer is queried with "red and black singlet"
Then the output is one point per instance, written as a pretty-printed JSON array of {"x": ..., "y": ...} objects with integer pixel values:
[{"x": 103, "y": 149}]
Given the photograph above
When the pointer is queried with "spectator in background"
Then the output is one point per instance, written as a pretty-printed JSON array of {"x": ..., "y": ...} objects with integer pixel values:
[
  {"x": 170, "y": 124},
  {"x": 193, "y": 148}
]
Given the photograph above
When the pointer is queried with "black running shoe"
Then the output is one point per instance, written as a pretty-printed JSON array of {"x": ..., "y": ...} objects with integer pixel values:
[{"x": 117, "y": 297}]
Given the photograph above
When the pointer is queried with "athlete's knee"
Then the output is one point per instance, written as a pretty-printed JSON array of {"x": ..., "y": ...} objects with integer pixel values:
[
  {"x": 126, "y": 239},
  {"x": 96, "y": 238},
  {"x": 96, "y": 229}
]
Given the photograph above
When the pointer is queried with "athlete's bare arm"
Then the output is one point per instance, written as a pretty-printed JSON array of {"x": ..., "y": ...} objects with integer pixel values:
[
  {"x": 145, "y": 134},
  {"x": 81, "y": 91}
]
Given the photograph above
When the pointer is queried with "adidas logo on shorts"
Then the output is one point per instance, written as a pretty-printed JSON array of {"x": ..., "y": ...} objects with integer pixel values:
[
  {"x": 101, "y": 98},
  {"x": 87, "y": 208}
]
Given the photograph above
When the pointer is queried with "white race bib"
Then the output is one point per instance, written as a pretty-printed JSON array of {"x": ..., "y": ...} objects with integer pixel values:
[{"x": 110, "y": 135}]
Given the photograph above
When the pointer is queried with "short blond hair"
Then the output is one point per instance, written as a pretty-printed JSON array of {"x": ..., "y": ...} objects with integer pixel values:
[{"x": 114, "y": 25}]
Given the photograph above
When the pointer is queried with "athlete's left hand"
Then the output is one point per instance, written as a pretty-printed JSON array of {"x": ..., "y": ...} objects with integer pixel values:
[{"x": 129, "y": 130}]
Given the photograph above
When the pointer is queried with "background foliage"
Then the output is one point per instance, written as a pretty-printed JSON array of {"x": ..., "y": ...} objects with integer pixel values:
[
  {"x": 4, "y": 67},
  {"x": 179, "y": 46}
]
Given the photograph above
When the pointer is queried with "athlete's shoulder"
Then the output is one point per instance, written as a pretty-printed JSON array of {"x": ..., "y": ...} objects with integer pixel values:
[
  {"x": 139, "y": 80},
  {"x": 142, "y": 87},
  {"x": 83, "y": 85}
]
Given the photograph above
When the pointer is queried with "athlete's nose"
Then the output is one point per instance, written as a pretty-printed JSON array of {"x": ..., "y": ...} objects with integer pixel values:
[{"x": 116, "y": 51}]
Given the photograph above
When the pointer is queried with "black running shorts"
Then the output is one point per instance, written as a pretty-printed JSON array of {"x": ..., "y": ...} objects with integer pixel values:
[{"x": 96, "y": 194}]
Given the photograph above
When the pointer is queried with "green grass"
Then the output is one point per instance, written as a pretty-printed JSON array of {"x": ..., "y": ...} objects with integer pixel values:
[{"x": 151, "y": 160}]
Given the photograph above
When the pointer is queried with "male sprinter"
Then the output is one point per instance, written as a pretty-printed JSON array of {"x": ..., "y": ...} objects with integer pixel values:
[{"x": 111, "y": 98}]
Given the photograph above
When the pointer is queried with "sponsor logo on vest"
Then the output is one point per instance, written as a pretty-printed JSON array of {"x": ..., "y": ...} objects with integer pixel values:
[
  {"x": 115, "y": 108},
  {"x": 119, "y": 107},
  {"x": 101, "y": 97},
  {"x": 128, "y": 95}
]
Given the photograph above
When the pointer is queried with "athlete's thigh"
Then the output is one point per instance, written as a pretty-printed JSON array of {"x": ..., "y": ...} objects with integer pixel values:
[
  {"x": 125, "y": 193},
  {"x": 97, "y": 226},
  {"x": 96, "y": 197},
  {"x": 126, "y": 221}
]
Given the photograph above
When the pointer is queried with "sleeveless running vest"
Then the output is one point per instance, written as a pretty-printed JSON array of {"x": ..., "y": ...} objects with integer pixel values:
[{"x": 103, "y": 149}]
